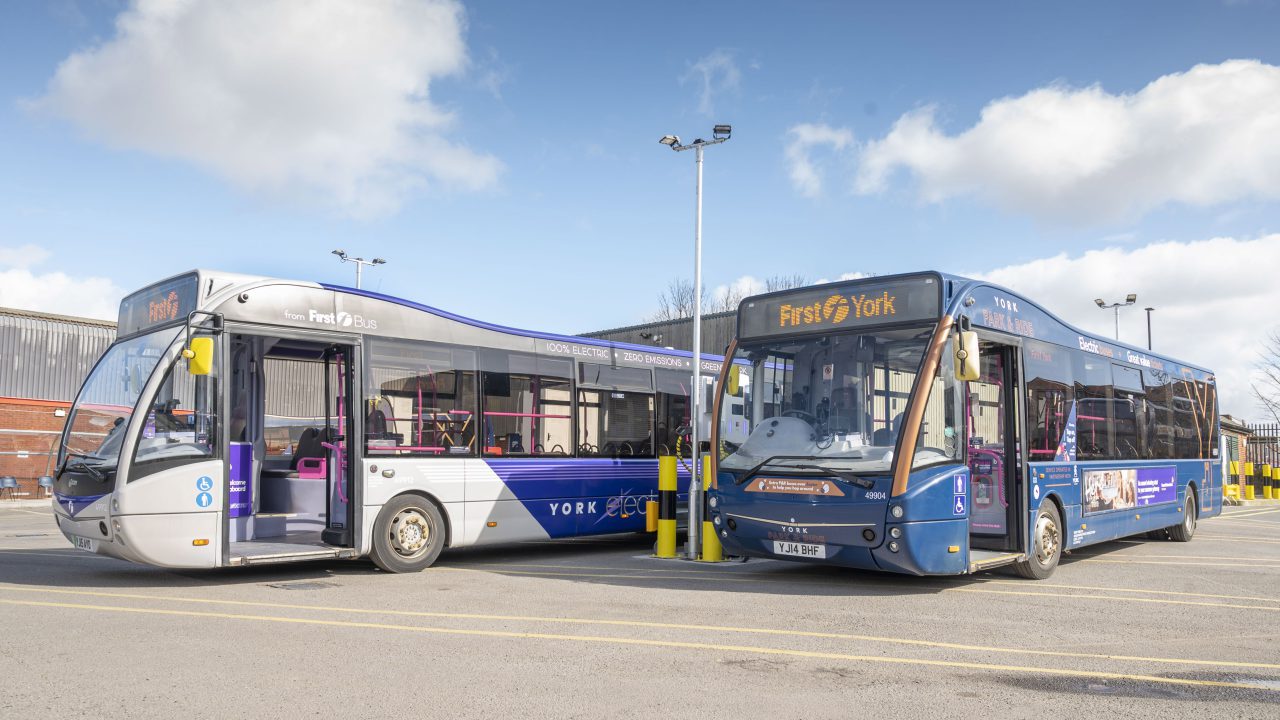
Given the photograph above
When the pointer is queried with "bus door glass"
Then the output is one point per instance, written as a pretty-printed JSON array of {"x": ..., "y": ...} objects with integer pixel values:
[
  {"x": 340, "y": 466},
  {"x": 993, "y": 458}
]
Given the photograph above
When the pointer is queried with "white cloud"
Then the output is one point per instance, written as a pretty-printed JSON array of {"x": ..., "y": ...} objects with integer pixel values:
[
  {"x": 1206, "y": 136},
  {"x": 844, "y": 276},
  {"x": 322, "y": 100},
  {"x": 1215, "y": 301},
  {"x": 727, "y": 297},
  {"x": 53, "y": 292},
  {"x": 714, "y": 74},
  {"x": 807, "y": 174},
  {"x": 22, "y": 257}
]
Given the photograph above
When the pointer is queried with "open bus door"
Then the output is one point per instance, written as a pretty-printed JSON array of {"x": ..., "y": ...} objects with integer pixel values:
[
  {"x": 292, "y": 491},
  {"x": 997, "y": 470}
]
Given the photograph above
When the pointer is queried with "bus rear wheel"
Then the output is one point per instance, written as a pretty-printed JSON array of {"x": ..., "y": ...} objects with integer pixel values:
[
  {"x": 1183, "y": 531},
  {"x": 1046, "y": 544},
  {"x": 408, "y": 535}
]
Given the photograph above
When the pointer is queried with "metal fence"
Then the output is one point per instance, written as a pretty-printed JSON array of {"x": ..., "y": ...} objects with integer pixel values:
[{"x": 1264, "y": 444}]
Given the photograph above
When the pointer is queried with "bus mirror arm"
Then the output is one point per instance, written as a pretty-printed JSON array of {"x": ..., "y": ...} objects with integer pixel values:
[
  {"x": 199, "y": 351},
  {"x": 966, "y": 356}
]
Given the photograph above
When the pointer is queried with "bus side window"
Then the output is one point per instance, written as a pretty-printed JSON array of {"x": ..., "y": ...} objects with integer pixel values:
[
  {"x": 1129, "y": 413},
  {"x": 420, "y": 399},
  {"x": 1160, "y": 422},
  {"x": 1049, "y": 396},
  {"x": 1094, "y": 393},
  {"x": 526, "y": 405}
]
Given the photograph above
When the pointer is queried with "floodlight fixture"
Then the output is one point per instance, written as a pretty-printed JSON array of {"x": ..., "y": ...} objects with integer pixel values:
[{"x": 670, "y": 140}]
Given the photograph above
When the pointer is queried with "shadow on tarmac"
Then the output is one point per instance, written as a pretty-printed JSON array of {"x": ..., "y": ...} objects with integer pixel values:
[{"x": 616, "y": 561}]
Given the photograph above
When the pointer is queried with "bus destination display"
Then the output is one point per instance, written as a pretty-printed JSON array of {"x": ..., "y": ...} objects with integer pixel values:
[
  {"x": 158, "y": 304},
  {"x": 842, "y": 306}
]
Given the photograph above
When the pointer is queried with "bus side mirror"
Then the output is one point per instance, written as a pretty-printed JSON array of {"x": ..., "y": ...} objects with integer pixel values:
[
  {"x": 199, "y": 355},
  {"x": 735, "y": 381},
  {"x": 967, "y": 356}
]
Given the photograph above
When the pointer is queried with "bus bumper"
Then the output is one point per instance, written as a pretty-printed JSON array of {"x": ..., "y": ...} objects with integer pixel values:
[{"x": 938, "y": 547}]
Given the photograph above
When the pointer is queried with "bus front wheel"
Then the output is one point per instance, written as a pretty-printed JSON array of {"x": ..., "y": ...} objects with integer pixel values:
[
  {"x": 1183, "y": 531},
  {"x": 1046, "y": 544},
  {"x": 408, "y": 535}
]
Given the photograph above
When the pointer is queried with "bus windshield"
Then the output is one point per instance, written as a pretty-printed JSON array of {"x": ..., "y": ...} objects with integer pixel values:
[
  {"x": 838, "y": 400},
  {"x": 96, "y": 426}
]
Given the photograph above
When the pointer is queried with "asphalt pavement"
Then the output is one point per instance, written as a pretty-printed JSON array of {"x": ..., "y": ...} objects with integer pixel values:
[{"x": 596, "y": 628}]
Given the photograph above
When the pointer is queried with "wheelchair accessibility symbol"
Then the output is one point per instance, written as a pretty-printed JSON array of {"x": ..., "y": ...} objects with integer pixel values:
[{"x": 204, "y": 484}]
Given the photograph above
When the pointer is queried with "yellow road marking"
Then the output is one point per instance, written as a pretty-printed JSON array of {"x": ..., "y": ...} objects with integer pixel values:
[
  {"x": 541, "y": 573},
  {"x": 605, "y": 640},
  {"x": 1241, "y": 538},
  {"x": 1254, "y": 523},
  {"x": 1114, "y": 597},
  {"x": 1042, "y": 584},
  {"x": 1242, "y": 564},
  {"x": 1234, "y": 558},
  {"x": 1249, "y": 513},
  {"x": 643, "y": 624}
]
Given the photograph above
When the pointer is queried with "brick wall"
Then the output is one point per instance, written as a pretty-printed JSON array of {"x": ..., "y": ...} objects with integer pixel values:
[{"x": 29, "y": 430}]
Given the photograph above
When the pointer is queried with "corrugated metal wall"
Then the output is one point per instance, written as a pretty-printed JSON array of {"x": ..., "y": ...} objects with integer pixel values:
[
  {"x": 45, "y": 357},
  {"x": 717, "y": 330}
]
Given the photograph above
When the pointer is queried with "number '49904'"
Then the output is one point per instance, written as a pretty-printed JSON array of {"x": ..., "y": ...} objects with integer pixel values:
[{"x": 875, "y": 495}]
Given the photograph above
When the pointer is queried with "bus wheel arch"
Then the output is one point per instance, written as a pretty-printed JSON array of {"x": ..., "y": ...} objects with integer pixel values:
[
  {"x": 410, "y": 531},
  {"x": 1186, "y": 529},
  {"x": 1047, "y": 539}
]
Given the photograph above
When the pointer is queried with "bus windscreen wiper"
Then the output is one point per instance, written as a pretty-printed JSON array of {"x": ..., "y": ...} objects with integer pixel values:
[
  {"x": 759, "y": 466},
  {"x": 848, "y": 477},
  {"x": 78, "y": 465}
]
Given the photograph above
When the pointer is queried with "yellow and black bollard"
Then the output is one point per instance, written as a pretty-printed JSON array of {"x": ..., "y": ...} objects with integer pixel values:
[
  {"x": 712, "y": 550},
  {"x": 1275, "y": 482},
  {"x": 1249, "y": 482},
  {"x": 1264, "y": 481},
  {"x": 666, "y": 545}
]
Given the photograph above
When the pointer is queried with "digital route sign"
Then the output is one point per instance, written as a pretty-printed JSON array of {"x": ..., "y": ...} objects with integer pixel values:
[{"x": 842, "y": 306}]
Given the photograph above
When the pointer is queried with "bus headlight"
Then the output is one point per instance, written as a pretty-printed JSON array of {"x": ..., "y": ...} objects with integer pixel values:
[
  {"x": 714, "y": 501},
  {"x": 716, "y": 520},
  {"x": 895, "y": 532},
  {"x": 893, "y": 546},
  {"x": 896, "y": 511}
]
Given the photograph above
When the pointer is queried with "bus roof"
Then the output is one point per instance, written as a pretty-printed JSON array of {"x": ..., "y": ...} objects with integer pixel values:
[{"x": 922, "y": 296}]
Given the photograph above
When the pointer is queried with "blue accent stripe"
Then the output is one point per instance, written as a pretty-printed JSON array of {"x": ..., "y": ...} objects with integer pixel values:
[
  {"x": 582, "y": 496},
  {"x": 515, "y": 331},
  {"x": 74, "y": 504}
]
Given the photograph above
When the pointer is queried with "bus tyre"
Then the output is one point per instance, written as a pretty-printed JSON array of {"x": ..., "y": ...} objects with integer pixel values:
[
  {"x": 1046, "y": 544},
  {"x": 1183, "y": 531},
  {"x": 408, "y": 535}
]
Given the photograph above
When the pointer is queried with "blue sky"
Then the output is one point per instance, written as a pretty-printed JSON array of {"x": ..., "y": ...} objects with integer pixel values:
[{"x": 524, "y": 183}]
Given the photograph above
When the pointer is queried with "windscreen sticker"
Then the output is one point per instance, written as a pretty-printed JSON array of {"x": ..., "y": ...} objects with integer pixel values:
[{"x": 795, "y": 486}]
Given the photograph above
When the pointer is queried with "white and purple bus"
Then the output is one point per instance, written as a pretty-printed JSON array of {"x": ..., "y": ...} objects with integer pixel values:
[{"x": 241, "y": 420}]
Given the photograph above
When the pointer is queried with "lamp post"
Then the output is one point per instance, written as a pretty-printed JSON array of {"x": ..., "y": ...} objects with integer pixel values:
[
  {"x": 719, "y": 134},
  {"x": 360, "y": 263},
  {"x": 1149, "y": 327},
  {"x": 1129, "y": 299}
]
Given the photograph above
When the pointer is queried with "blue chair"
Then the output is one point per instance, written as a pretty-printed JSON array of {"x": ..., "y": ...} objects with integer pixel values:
[
  {"x": 46, "y": 483},
  {"x": 9, "y": 484}
]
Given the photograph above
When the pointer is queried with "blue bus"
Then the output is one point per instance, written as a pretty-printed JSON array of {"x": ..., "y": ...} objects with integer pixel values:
[
  {"x": 930, "y": 424},
  {"x": 242, "y": 420}
]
